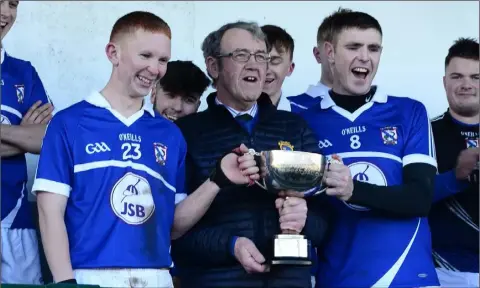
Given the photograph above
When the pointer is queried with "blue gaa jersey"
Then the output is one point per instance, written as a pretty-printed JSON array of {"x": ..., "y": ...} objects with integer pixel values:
[
  {"x": 21, "y": 88},
  {"x": 376, "y": 142},
  {"x": 311, "y": 97},
  {"x": 122, "y": 178}
]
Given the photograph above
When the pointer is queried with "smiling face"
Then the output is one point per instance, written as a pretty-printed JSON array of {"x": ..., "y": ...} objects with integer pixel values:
[
  {"x": 279, "y": 68},
  {"x": 174, "y": 106},
  {"x": 140, "y": 58},
  {"x": 461, "y": 84},
  {"x": 238, "y": 81},
  {"x": 354, "y": 59},
  {"x": 8, "y": 12}
]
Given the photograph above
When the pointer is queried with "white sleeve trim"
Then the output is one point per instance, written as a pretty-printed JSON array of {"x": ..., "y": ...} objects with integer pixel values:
[
  {"x": 50, "y": 186},
  {"x": 419, "y": 158},
  {"x": 179, "y": 197}
]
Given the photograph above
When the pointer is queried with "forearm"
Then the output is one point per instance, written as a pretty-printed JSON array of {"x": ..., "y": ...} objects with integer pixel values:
[
  {"x": 9, "y": 150},
  {"x": 192, "y": 208},
  {"x": 446, "y": 185},
  {"x": 27, "y": 137},
  {"x": 55, "y": 244},
  {"x": 413, "y": 198}
]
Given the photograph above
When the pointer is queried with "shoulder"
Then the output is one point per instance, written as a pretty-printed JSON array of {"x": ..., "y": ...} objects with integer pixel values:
[
  {"x": 173, "y": 130},
  {"x": 303, "y": 101},
  {"x": 192, "y": 122},
  {"x": 407, "y": 106},
  {"x": 19, "y": 67},
  {"x": 70, "y": 116}
]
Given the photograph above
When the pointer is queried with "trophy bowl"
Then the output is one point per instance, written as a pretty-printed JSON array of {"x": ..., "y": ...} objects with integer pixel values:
[{"x": 291, "y": 170}]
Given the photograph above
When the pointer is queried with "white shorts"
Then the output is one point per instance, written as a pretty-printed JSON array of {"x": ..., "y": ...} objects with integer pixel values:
[
  {"x": 158, "y": 278},
  {"x": 449, "y": 278},
  {"x": 20, "y": 257}
]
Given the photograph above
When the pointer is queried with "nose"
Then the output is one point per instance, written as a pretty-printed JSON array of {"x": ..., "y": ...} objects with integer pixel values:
[
  {"x": 177, "y": 103},
  {"x": 364, "y": 54},
  {"x": 5, "y": 9}
]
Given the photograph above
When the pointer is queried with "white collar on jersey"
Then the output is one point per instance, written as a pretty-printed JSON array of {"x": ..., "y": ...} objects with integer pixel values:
[
  {"x": 3, "y": 54},
  {"x": 319, "y": 90},
  {"x": 252, "y": 111},
  {"x": 96, "y": 99},
  {"x": 379, "y": 97}
]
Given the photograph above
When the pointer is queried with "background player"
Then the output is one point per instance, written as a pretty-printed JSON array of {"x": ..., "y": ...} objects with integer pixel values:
[
  {"x": 381, "y": 237},
  {"x": 281, "y": 64},
  {"x": 178, "y": 93},
  {"x": 454, "y": 217},
  {"x": 25, "y": 112},
  {"x": 314, "y": 93},
  {"x": 111, "y": 200}
]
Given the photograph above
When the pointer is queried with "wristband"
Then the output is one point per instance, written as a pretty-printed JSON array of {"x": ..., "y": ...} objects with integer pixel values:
[{"x": 218, "y": 177}]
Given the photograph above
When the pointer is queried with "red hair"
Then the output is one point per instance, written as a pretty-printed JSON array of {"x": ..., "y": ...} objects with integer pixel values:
[{"x": 136, "y": 20}]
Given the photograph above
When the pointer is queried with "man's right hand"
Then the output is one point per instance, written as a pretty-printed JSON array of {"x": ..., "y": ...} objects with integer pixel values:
[
  {"x": 38, "y": 114},
  {"x": 248, "y": 255},
  {"x": 467, "y": 161}
]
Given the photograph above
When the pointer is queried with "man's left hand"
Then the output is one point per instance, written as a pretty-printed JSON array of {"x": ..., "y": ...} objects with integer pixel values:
[
  {"x": 339, "y": 181},
  {"x": 293, "y": 212}
]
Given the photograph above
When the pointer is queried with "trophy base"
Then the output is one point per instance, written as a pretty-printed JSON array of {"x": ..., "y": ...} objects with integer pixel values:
[{"x": 291, "y": 249}]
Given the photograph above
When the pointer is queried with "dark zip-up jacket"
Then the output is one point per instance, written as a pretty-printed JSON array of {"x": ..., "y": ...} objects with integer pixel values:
[{"x": 204, "y": 256}]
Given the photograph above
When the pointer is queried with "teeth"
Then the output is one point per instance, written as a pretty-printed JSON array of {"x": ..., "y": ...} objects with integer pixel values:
[
  {"x": 251, "y": 78},
  {"x": 145, "y": 80},
  {"x": 360, "y": 70},
  {"x": 171, "y": 117}
]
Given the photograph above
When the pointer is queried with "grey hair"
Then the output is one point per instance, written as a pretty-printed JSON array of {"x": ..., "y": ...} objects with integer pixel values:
[{"x": 211, "y": 44}]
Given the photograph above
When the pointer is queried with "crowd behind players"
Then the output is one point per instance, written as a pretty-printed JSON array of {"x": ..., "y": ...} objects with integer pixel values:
[{"x": 187, "y": 176}]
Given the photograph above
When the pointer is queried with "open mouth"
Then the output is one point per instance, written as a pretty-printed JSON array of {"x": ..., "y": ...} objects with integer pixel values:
[
  {"x": 172, "y": 118},
  {"x": 250, "y": 79},
  {"x": 145, "y": 80},
  {"x": 3, "y": 24},
  {"x": 269, "y": 80},
  {"x": 360, "y": 72}
]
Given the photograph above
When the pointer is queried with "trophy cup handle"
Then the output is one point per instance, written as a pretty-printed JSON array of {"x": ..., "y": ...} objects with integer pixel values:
[{"x": 263, "y": 185}]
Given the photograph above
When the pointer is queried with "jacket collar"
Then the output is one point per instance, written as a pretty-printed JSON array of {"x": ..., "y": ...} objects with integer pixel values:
[{"x": 265, "y": 106}]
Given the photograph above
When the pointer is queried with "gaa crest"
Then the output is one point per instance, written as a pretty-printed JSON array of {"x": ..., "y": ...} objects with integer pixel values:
[
  {"x": 160, "y": 151},
  {"x": 20, "y": 89},
  {"x": 389, "y": 135},
  {"x": 285, "y": 145},
  {"x": 471, "y": 142}
]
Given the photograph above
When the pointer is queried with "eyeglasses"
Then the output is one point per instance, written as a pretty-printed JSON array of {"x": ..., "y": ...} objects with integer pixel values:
[{"x": 244, "y": 56}]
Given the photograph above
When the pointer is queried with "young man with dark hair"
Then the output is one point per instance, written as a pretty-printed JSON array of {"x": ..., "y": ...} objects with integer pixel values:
[
  {"x": 111, "y": 175},
  {"x": 454, "y": 216},
  {"x": 281, "y": 63},
  {"x": 26, "y": 110},
  {"x": 178, "y": 93},
  {"x": 381, "y": 236},
  {"x": 314, "y": 93}
]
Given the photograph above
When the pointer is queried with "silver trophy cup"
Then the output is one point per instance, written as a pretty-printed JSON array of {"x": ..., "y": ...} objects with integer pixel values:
[{"x": 298, "y": 171}]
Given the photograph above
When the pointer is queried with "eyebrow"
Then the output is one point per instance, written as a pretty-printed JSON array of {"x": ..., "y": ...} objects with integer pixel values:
[{"x": 246, "y": 50}]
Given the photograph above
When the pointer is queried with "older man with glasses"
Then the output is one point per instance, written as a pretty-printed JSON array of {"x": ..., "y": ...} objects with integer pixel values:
[{"x": 232, "y": 245}]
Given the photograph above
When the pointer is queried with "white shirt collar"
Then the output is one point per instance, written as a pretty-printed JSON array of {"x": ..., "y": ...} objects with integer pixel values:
[
  {"x": 252, "y": 111},
  {"x": 380, "y": 97},
  {"x": 3, "y": 54},
  {"x": 319, "y": 90},
  {"x": 96, "y": 99}
]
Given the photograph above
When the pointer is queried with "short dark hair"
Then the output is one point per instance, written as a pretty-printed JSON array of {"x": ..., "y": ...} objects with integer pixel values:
[
  {"x": 279, "y": 38},
  {"x": 467, "y": 48},
  {"x": 343, "y": 19},
  {"x": 184, "y": 78},
  {"x": 132, "y": 21}
]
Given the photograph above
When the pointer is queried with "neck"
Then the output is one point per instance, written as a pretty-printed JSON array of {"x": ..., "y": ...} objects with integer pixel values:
[
  {"x": 276, "y": 98},
  {"x": 465, "y": 119},
  {"x": 225, "y": 97},
  {"x": 325, "y": 81},
  {"x": 119, "y": 100}
]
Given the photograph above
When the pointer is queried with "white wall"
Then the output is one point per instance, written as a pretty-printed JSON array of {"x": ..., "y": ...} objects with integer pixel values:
[{"x": 65, "y": 41}]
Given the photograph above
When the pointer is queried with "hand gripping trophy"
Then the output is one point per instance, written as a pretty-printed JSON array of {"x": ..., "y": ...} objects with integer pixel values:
[{"x": 282, "y": 170}]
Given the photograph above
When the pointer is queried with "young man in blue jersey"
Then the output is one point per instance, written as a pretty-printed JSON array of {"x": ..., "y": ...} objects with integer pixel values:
[
  {"x": 110, "y": 179},
  {"x": 178, "y": 93},
  {"x": 281, "y": 63},
  {"x": 314, "y": 93},
  {"x": 26, "y": 110},
  {"x": 232, "y": 245},
  {"x": 454, "y": 216},
  {"x": 381, "y": 236}
]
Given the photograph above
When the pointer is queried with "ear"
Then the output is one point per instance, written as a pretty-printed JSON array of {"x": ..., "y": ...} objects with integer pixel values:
[
  {"x": 291, "y": 68},
  {"x": 329, "y": 51},
  {"x": 316, "y": 54},
  {"x": 212, "y": 67},
  {"x": 112, "y": 53}
]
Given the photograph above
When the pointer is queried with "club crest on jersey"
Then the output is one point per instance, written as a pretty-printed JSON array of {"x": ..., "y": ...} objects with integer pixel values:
[
  {"x": 285, "y": 145},
  {"x": 20, "y": 89},
  {"x": 471, "y": 142},
  {"x": 389, "y": 135},
  {"x": 160, "y": 153},
  {"x": 4, "y": 120}
]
